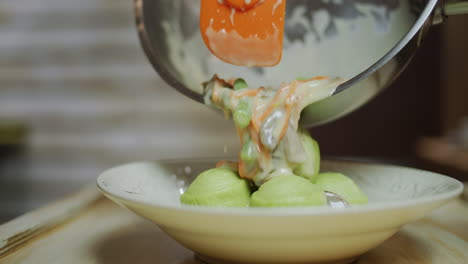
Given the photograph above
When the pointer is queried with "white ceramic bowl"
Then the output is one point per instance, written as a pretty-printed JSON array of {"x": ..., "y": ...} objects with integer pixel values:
[{"x": 397, "y": 196}]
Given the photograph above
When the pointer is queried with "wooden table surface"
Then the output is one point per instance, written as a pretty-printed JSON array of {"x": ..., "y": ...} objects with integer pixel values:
[{"x": 88, "y": 228}]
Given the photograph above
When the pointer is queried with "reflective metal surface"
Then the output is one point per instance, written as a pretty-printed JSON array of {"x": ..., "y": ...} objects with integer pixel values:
[
  {"x": 335, "y": 201},
  {"x": 369, "y": 43}
]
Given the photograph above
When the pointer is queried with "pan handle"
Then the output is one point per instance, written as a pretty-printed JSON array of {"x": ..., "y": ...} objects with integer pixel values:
[{"x": 457, "y": 7}]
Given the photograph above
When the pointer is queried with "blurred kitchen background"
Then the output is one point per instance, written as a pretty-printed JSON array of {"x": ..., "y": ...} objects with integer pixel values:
[{"x": 77, "y": 96}]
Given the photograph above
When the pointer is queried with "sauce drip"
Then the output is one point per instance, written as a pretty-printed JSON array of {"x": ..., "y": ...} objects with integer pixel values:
[{"x": 267, "y": 121}]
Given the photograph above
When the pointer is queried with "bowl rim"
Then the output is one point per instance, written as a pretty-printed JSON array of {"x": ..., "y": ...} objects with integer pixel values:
[{"x": 285, "y": 211}]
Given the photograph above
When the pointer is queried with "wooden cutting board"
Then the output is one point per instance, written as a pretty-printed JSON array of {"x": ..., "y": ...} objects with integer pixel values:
[{"x": 88, "y": 228}]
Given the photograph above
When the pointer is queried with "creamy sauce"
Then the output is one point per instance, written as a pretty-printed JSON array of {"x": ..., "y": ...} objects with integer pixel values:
[
  {"x": 368, "y": 42},
  {"x": 277, "y": 3},
  {"x": 267, "y": 122},
  {"x": 231, "y": 17}
]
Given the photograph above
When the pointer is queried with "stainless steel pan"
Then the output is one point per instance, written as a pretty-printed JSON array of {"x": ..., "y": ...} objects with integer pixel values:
[{"x": 368, "y": 42}]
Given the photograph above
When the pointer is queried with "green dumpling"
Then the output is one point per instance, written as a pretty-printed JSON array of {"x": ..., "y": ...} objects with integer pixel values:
[
  {"x": 220, "y": 187},
  {"x": 311, "y": 167},
  {"x": 290, "y": 190},
  {"x": 343, "y": 186}
]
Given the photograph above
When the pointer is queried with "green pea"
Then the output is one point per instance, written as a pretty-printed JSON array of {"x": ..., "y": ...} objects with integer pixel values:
[
  {"x": 248, "y": 153},
  {"x": 241, "y": 118},
  {"x": 242, "y": 114},
  {"x": 240, "y": 84}
]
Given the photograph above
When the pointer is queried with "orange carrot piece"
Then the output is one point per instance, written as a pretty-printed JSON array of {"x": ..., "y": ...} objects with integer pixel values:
[
  {"x": 314, "y": 79},
  {"x": 273, "y": 103},
  {"x": 288, "y": 110},
  {"x": 215, "y": 97},
  {"x": 249, "y": 92},
  {"x": 230, "y": 164}
]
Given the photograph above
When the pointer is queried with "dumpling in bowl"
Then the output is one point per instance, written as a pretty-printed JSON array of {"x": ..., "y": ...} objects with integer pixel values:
[{"x": 219, "y": 187}]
